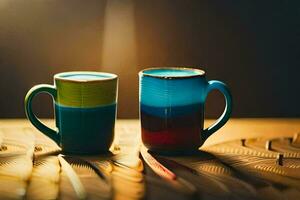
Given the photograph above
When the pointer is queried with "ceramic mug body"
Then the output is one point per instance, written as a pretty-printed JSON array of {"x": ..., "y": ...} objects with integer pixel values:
[
  {"x": 172, "y": 108},
  {"x": 85, "y": 111}
]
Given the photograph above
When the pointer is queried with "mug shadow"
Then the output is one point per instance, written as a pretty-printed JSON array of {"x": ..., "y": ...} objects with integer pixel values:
[{"x": 189, "y": 153}]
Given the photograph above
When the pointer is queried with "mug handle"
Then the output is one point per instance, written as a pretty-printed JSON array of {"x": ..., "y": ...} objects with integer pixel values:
[
  {"x": 222, "y": 87},
  {"x": 42, "y": 88}
]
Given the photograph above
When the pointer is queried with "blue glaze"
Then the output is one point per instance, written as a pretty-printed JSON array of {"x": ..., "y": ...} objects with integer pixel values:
[
  {"x": 172, "y": 108},
  {"x": 85, "y": 130},
  {"x": 160, "y": 92},
  {"x": 169, "y": 112},
  {"x": 86, "y": 77},
  {"x": 172, "y": 72}
]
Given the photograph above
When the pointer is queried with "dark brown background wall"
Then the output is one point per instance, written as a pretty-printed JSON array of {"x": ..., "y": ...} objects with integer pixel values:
[{"x": 253, "y": 46}]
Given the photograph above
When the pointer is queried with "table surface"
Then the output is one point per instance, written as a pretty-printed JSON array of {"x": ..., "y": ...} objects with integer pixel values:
[
  {"x": 235, "y": 128},
  {"x": 127, "y": 169}
]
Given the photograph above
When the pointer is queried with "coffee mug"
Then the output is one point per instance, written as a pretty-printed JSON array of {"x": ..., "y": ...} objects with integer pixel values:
[
  {"x": 172, "y": 108},
  {"x": 85, "y": 111}
]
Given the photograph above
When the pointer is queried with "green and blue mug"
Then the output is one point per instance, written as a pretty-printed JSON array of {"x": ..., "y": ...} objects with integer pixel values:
[{"x": 85, "y": 111}]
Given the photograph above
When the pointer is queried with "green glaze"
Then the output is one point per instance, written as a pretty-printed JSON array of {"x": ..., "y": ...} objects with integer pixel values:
[
  {"x": 85, "y": 110},
  {"x": 42, "y": 88},
  {"x": 85, "y": 94}
]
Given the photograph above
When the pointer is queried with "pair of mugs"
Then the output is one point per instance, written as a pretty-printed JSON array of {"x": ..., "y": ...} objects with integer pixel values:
[{"x": 171, "y": 109}]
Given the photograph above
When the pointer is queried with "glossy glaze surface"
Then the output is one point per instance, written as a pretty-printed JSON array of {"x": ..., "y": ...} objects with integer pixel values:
[
  {"x": 86, "y": 130},
  {"x": 85, "y": 111},
  {"x": 176, "y": 128},
  {"x": 172, "y": 108},
  {"x": 85, "y": 89}
]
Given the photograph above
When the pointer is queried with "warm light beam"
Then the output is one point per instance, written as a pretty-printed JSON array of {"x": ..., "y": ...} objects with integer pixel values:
[{"x": 119, "y": 52}]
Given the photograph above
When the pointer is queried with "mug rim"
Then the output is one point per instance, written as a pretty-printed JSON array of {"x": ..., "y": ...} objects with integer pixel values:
[
  {"x": 200, "y": 72},
  {"x": 59, "y": 76}
]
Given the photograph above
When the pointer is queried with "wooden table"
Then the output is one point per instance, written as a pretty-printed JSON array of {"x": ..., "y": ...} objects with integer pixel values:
[
  {"x": 132, "y": 177},
  {"x": 234, "y": 129}
]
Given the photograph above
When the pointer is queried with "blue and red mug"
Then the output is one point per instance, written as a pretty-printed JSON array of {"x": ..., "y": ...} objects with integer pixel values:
[{"x": 172, "y": 108}]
